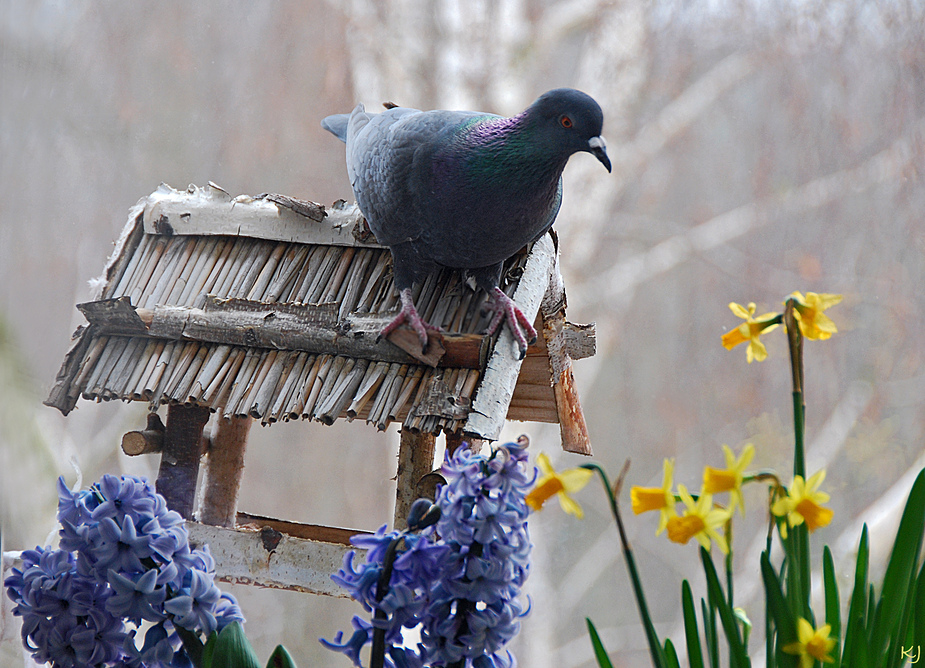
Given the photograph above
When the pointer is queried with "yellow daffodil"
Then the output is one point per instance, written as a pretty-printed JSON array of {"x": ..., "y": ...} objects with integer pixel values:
[
  {"x": 730, "y": 478},
  {"x": 750, "y": 330},
  {"x": 803, "y": 503},
  {"x": 808, "y": 311},
  {"x": 661, "y": 498},
  {"x": 560, "y": 484},
  {"x": 813, "y": 644},
  {"x": 699, "y": 520}
]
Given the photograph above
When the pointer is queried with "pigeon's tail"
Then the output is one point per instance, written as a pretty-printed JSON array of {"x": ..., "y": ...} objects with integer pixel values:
[{"x": 337, "y": 125}]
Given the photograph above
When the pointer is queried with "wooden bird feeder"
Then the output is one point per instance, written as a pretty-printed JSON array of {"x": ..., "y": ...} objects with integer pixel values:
[{"x": 268, "y": 308}]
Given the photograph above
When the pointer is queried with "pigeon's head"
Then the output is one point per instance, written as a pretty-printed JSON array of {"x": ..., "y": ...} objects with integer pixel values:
[{"x": 572, "y": 121}]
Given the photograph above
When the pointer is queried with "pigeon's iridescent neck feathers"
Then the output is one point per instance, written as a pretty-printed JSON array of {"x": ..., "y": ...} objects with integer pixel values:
[{"x": 505, "y": 155}]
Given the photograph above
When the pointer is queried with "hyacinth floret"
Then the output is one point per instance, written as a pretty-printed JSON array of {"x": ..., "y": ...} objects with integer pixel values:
[
  {"x": 123, "y": 558},
  {"x": 456, "y": 576}
]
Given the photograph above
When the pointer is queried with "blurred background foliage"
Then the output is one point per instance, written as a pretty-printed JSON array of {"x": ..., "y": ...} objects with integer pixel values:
[{"x": 759, "y": 148}]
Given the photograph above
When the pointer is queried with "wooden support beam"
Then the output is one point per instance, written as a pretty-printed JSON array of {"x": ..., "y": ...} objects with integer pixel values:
[
  {"x": 224, "y": 468},
  {"x": 313, "y": 328},
  {"x": 277, "y": 554},
  {"x": 176, "y": 479},
  {"x": 415, "y": 460},
  {"x": 148, "y": 440}
]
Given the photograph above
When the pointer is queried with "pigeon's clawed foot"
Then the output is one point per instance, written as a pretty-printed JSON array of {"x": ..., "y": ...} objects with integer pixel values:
[
  {"x": 505, "y": 309},
  {"x": 409, "y": 316}
]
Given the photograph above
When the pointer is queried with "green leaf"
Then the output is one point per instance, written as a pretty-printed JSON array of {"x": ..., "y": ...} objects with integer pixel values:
[
  {"x": 599, "y": 652},
  {"x": 796, "y": 569},
  {"x": 710, "y": 633},
  {"x": 832, "y": 605},
  {"x": 280, "y": 658},
  {"x": 855, "y": 653},
  {"x": 738, "y": 656},
  {"x": 918, "y": 634},
  {"x": 691, "y": 634},
  {"x": 745, "y": 624},
  {"x": 233, "y": 650},
  {"x": 784, "y": 621},
  {"x": 900, "y": 574},
  {"x": 655, "y": 646},
  {"x": 209, "y": 650},
  {"x": 671, "y": 656}
]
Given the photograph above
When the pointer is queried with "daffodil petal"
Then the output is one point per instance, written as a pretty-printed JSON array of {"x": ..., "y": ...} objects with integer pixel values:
[
  {"x": 575, "y": 479},
  {"x": 739, "y": 310},
  {"x": 542, "y": 461},
  {"x": 746, "y": 457},
  {"x": 571, "y": 506},
  {"x": 823, "y": 300}
]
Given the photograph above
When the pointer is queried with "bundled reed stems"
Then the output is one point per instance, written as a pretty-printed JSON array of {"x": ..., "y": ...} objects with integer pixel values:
[{"x": 274, "y": 385}]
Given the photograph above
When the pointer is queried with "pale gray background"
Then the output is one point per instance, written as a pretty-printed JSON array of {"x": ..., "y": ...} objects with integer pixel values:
[{"x": 759, "y": 148}]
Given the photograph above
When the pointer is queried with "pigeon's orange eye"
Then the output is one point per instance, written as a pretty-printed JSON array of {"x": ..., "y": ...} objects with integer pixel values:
[{"x": 566, "y": 122}]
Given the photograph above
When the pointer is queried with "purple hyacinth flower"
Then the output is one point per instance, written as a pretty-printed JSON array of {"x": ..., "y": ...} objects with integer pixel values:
[
  {"x": 194, "y": 609},
  {"x": 72, "y": 506},
  {"x": 120, "y": 547},
  {"x": 136, "y": 597},
  {"x": 196, "y": 560},
  {"x": 228, "y": 611},
  {"x": 168, "y": 542},
  {"x": 401, "y": 657},
  {"x": 127, "y": 495},
  {"x": 473, "y": 613},
  {"x": 69, "y": 644},
  {"x": 458, "y": 580},
  {"x": 122, "y": 554},
  {"x": 362, "y": 634},
  {"x": 108, "y": 634},
  {"x": 158, "y": 648}
]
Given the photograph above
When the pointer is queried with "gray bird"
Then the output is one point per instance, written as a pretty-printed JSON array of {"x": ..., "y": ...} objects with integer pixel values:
[{"x": 464, "y": 189}]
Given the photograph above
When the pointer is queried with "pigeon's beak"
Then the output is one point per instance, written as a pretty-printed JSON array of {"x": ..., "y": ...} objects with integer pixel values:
[{"x": 598, "y": 147}]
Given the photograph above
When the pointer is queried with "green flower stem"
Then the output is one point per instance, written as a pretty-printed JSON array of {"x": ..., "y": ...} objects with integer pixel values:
[
  {"x": 655, "y": 647},
  {"x": 798, "y": 577},
  {"x": 770, "y": 656},
  {"x": 377, "y": 656},
  {"x": 728, "y": 561},
  {"x": 464, "y": 607},
  {"x": 795, "y": 342},
  {"x": 762, "y": 476}
]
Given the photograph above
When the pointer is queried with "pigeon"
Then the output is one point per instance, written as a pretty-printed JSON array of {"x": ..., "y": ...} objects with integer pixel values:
[{"x": 465, "y": 190}]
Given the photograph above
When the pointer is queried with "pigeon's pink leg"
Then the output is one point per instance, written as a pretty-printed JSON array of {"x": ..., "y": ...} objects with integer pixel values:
[
  {"x": 409, "y": 315},
  {"x": 505, "y": 309}
]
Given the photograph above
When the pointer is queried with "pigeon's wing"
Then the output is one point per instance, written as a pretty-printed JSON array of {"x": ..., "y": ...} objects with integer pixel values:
[{"x": 389, "y": 161}]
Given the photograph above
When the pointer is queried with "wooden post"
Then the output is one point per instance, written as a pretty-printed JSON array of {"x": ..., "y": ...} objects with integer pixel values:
[
  {"x": 493, "y": 399},
  {"x": 176, "y": 479},
  {"x": 224, "y": 469},
  {"x": 572, "y": 427},
  {"x": 456, "y": 439},
  {"x": 415, "y": 460}
]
